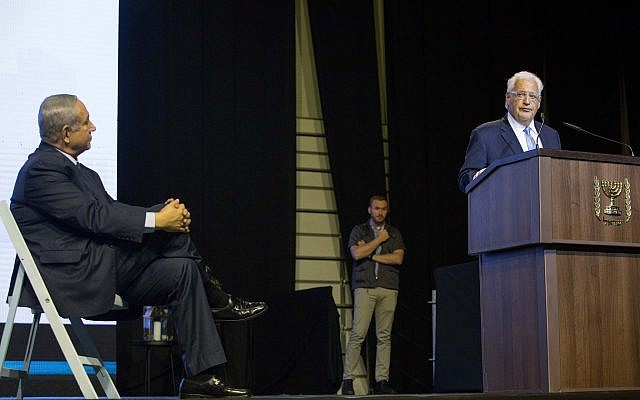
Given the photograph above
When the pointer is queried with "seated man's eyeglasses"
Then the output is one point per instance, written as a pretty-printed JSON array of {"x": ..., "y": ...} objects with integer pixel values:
[{"x": 522, "y": 95}]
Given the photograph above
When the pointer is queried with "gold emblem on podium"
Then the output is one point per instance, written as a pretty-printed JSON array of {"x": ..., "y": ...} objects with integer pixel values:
[{"x": 612, "y": 214}]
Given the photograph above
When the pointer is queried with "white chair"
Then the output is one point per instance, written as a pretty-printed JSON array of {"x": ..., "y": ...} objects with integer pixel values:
[{"x": 76, "y": 361}]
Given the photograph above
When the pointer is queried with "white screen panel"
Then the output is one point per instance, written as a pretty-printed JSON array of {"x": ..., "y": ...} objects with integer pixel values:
[{"x": 49, "y": 47}]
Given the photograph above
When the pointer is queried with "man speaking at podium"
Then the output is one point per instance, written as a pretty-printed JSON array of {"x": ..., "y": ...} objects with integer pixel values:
[{"x": 514, "y": 133}]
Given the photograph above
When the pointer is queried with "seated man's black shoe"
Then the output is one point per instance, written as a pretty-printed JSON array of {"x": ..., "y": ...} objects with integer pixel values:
[
  {"x": 208, "y": 386},
  {"x": 383, "y": 387},
  {"x": 239, "y": 310}
]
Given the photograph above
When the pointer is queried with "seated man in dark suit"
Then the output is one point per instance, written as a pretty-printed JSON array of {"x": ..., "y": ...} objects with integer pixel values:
[
  {"x": 514, "y": 133},
  {"x": 89, "y": 247}
]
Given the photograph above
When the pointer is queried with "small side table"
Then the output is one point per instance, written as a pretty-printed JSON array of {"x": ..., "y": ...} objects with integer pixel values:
[{"x": 148, "y": 346}]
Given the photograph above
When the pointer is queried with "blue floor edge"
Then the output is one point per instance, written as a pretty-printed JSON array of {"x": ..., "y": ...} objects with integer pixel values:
[{"x": 38, "y": 367}]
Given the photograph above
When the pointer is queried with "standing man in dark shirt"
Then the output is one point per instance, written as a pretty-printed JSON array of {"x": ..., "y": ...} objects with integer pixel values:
[{"x": 377, "y": 250}]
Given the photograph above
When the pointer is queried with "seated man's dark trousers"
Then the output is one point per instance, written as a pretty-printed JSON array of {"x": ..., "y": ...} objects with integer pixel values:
[{"x": 167, "y": 269}]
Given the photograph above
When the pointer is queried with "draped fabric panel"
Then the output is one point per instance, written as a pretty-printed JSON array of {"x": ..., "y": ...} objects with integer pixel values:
[
  {"x": 345, "y": 52},
  {"x": 344, "y": 46},
  {"x": 207, "y": 115},
  {"x": 447, "y": 69},
  {"x": 410, "y": 166}
]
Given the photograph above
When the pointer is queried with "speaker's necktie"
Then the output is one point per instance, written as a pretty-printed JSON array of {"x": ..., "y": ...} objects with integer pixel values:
[{"x": 531, "y": 143}]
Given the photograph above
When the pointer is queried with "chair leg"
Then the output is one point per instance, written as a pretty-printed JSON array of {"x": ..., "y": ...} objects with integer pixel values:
[
  {"x": 8, "y": 326},
  {"x": 22, "y": 373},
  {"x": 89, "y": 349},
  {"x": 26, "y": 365},
  {"x": 173, "y": 373},
  {"x": 72, "y": 357},
  {"x": 147, "y": 372}
]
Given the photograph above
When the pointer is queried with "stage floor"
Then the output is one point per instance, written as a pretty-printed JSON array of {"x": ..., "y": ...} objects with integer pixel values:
[{"x": 609, "y": 395}]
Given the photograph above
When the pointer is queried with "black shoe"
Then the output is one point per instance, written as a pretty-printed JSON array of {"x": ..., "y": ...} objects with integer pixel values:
[
  {"x": 239, "y": 310},
  {"x": 208, "y": 386},
  {"x": 347, "y": 387},
  {"x": 383, "y": 387}
]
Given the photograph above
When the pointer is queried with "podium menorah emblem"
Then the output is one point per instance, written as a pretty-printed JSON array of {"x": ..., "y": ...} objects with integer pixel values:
[{"x": 612, "y": 190}]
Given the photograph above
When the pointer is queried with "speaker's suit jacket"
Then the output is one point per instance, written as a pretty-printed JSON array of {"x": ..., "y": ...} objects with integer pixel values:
[{"x": 494, "y": 140}]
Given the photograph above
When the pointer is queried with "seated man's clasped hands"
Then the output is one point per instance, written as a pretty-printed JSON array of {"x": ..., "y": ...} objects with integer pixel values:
[{"x": 173, "y": 217}]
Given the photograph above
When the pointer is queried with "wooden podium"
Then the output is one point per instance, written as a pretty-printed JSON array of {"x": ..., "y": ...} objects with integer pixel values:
[{"x": 559, "y": 271}]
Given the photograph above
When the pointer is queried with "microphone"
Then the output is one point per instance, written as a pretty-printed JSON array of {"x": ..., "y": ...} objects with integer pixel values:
[
  {"x": 577, "y": 128},
  {"x": 539, "y": 130}
]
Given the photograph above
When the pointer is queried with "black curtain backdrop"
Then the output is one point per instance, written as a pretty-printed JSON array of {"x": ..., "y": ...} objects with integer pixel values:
[
  {"x": 414, "y": 169},
  {"x": 447, "y": 68},
  {"x": 344, "y": 46},
  {"x": 345, "y": 52},
  {"x": 207, "y": 114}
]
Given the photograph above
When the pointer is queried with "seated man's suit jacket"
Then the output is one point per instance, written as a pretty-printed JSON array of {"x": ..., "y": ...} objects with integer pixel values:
[{"x": 76, "y": 232}]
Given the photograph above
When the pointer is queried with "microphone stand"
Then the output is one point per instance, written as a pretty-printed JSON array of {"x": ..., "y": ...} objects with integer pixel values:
[{"x": 577, "y": 128}]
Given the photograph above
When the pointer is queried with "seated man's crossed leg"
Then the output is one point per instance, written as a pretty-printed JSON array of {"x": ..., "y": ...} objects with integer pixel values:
[{"x": 168, "y": 270}]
